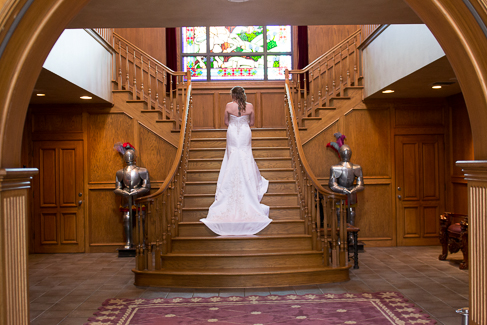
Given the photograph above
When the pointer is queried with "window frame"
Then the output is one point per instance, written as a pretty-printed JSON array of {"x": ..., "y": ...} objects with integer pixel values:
[{"x": 208, "y": 55}]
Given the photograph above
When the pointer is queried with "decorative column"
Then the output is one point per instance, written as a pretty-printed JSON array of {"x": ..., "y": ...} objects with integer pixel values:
[
  {"x": 14, "y": 289},
  {"x": 476, "y": 175}
]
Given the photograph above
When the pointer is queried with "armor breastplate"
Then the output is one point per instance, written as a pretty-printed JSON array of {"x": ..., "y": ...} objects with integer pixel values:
[
  {"x": 131, "y": 178},
  {"x": 346, "y": 178}
]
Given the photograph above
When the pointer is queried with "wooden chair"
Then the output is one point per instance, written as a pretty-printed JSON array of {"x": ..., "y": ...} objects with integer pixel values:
[{"x": 454, "y": 236}]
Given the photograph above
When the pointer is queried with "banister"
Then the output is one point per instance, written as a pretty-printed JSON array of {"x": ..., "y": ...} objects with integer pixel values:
[
  {"x": 115, "y": 35},
  {"x": 179, "y": 152},
  {"x": 309, "y": 66},
  {"x": 301, "y": 154}
]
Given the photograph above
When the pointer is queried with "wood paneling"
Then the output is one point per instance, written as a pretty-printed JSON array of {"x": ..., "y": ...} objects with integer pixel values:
[
  {"x": 272, "y": 106},
  {"x": 105, "y": 218},
  {"x": 104, "y": 130},
  {"x": 368, "y": 135},
  {"x": 204, "y": 110},
  {"x": 461, "y": 133},
  {"x": 375, "y": 216},
  {"x": 155, "y": 154},
  {"x": 57, "y": 123},
  {"x": 323, "y": 38},
  {"x": 321, "y": 158},
  {"x": 150, "y": 40},
  {"x": 210, "y": 99},
  {"x": 419, "y": 114}
]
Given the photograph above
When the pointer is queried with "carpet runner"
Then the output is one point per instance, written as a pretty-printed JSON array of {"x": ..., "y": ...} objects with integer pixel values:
[{"x": 349, "y": 308}]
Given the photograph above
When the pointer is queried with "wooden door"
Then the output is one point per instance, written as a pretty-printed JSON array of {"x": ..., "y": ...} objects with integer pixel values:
[
  {"x": 58, "y": 197},
  {"x": 419, "y": 188}
]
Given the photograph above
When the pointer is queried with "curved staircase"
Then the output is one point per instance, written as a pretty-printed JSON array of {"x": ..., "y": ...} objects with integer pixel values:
[{"x": 280, "y": 255}]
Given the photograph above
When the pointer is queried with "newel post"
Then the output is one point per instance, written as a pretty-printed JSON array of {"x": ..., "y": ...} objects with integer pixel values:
[
  {"x": 476, "y": 175},
  {"x": 14, "y": 289}
]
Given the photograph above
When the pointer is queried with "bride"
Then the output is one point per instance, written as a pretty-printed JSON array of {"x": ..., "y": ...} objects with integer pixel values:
[{"x": 237, "y": 209}]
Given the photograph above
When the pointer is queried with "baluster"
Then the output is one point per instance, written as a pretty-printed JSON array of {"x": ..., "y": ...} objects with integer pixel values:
[
  {"x": 163, "y": 227},
  {"x": 343, "y": 235},
  {"x": 171, "y": 98},
  {"x": 320, "y": 87},
  {"x": 149, "y": 91},
  {"x": 341, "y": 73},
  {"x": 158, "y": 214},
  {"x": 164, "y": 91},
  {"x": 334, "y": 240},
  {"x": 311, "y": 91},
  {"x": 327, "y": 94},
  {"x": 357, "y": 62},
  {"x": 348, "y": 65},
  {"x": 168, "y": 218},
  {"x": 120, "y": 66},
  {"x": 134, "y": 87},
  {"x": 334, "y": 77},
  {"x": 142, "y": 96},
  {"x": 309, "y": 208},
  {"x": 315, "y": 223},
  {"x": 127, "y": 70},
  {"x": 305, "y": 87},
  {"x": 326, "y": 249}
]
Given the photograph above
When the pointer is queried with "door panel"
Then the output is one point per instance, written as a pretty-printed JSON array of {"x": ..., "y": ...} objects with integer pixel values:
[
  {"x": 58, "y": 218},
  {"x": 47, "y": 175},
  {"x": 419, "y": 188}
]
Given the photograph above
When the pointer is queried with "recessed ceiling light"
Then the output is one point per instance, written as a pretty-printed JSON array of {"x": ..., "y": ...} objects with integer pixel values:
[
  {"x": 41, "y": 95},
  {"x": 388, "y": 91},
  {"x": 436, "y": 87},
  {"x": 86, "y": 97}
]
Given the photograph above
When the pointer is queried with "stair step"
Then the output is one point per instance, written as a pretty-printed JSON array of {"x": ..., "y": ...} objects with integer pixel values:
[
  {"x": 222, "y": 133},
  {"x": 276, "y": 212},
  {"x": 241, "y": 243},
  {"x": 215, "y": 163},
  {"x": 244, "y": 260},
  {"x": 195, "y": 153},
  {"x": 242, "y": 277},
  {"x": 205, "y": 200},
  {"x": 222, "y": 142},
  {"x": 275, "y": 186},
  {"x": 277, "y": 227},
  {"x": 153, "y": 114},
  {"x": 212, "y": 174}
]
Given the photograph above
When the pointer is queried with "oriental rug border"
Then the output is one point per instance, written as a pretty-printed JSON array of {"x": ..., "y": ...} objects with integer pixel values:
[{"x": 350, "y": 308}]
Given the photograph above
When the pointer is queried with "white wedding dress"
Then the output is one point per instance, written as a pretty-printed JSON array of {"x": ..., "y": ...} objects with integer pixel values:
[{"x": 237, "y": 209}]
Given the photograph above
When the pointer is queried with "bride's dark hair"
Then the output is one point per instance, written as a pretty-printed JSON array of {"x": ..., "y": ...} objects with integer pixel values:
[{"x": 238, "y": 94}]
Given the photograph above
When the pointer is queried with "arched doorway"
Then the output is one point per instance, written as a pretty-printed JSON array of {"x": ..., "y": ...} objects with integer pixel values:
[{"x": 30, "y": 29}]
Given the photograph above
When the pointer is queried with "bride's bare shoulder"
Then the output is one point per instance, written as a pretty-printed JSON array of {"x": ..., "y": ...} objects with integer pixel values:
[{"x": 249, "y": 106}]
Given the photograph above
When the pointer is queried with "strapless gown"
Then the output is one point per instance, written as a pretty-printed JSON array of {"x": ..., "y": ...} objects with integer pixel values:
[{"x": 237, "y": 209}]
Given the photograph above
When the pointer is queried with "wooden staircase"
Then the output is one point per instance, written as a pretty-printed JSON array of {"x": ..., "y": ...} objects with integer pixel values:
[
  {"x": 150, "y": 118},
  {"x": 327, "y": 115},
  {"x": 282, "y": 254}
]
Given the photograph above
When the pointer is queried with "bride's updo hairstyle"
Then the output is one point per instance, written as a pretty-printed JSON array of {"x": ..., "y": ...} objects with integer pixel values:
[{"x": 238, "y": 94}]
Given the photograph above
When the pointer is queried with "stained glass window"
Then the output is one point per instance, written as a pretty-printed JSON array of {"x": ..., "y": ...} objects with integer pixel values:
[{"x": 237, "y": 52}]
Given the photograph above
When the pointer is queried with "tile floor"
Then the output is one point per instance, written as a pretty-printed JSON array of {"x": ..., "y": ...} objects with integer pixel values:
[{"x": 67, "y": 288}]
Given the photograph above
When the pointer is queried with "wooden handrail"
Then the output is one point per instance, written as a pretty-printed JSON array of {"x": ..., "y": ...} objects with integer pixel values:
[
  {"x": 327, "y": 53},
  {"x": 117, "y": 36},
  {"x": 179, "y": 152},
  {"x": 302, "y": 156}
]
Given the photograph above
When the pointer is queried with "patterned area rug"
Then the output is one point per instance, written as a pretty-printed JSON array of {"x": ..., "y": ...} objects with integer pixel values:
[{"x": 363, "y": 309}]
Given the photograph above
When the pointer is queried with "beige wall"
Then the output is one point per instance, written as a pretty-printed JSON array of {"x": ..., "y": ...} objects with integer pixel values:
[
  {"x": 82, "y": 60},
  {"x": 397, "y": 52}
]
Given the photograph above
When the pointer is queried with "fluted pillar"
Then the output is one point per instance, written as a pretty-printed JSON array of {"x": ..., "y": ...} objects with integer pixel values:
[
  {"x": 476, "y": 175},
  {"x": 14, "y": 189}
]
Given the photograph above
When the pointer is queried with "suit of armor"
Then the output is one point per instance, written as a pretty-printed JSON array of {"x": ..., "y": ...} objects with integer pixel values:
[
  {"x": 130, "y": 182},
  {"x": 342, "y": 178}
]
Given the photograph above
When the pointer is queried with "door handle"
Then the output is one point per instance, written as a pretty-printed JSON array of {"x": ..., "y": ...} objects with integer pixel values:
[
  {"x": 79, "y": 202},
  {"x": 399, "y": 197}
]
